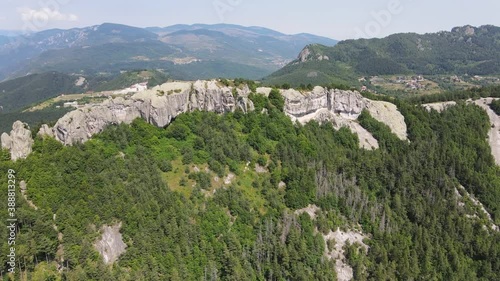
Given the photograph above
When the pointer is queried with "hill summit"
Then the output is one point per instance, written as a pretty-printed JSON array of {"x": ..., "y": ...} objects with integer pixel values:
[{"x": 463, "y": 50}]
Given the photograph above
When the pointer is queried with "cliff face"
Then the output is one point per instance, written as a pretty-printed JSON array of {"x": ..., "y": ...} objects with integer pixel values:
[
  {"x": 342, "y": 108},
  {"x": 160, "y": 105}
]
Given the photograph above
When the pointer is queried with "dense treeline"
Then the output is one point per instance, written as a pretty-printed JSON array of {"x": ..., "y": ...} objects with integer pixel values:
[
  {"x": 35, "y": 119},
  {"x": 180, "y": 223},
  {"x": 445, "y": 53}
]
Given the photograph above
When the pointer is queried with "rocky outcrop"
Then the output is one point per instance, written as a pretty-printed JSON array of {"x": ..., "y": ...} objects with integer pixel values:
[
  {"x": 158, "y": 106},
  {"x": 19, "y": 142},
  {"x": 110, "y": 245},
  {"x": 342, "y": 108},
  {"x": 388, "y": 114},
  {"x": 161, "y": 104},
  {"x": 81, "y": 124},
  {"x": 335, "y": 242},
  {"x": 438, "y": 106},
  {"x": 45, "y": 131},
  {"x": 347, "y": 104},
  {"x": 337, "y": 253}
]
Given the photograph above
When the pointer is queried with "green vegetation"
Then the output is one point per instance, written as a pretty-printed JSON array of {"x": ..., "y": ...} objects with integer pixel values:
[
  {"x": 495, "y": 105},
  {"x": 21, "y": 92},
  {"x": 458, "y": 52},
  {"x": 180, "y": 223},
  {"x": 124, "y": 80}
]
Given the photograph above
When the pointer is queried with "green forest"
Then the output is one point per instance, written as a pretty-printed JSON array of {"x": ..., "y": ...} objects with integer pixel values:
[{"x": 181, "y": 221}]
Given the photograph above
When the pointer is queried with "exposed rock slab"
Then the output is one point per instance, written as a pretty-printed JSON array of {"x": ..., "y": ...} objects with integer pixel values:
[
  {"x": 341, "y": 238},
  {"x": 19, "y": 142},
  {"x": 81, "y": 124},
  {"x": 161, "y": 104},
  {"x": 388, "y": 114},
  {"x": 438, "y": 106},
  {"x": 342, "y": 108},
  {"x": 111, "y": 244},
  {"x": 158, "y": 106},
  {"x": 45, "y": 131}
]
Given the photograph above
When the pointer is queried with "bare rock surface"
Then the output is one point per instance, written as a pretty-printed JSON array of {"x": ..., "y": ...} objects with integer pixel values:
[
  {"x": 161, "y": 104},
  {"x": 45, "y": 131},
  {"x": 438, "y": 106},
  {"x": 19, "y": 142},
  {"x": 388, "y": 114},
  {"x": 158, "y": 106},
  {"x": 111, "y": 244},
  {"x": 341, "y": 238},
  {"x": 342, "y": 108}
]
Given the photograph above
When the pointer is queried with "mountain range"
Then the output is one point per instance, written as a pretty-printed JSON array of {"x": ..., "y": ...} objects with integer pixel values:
[
  {"x": 184, "y": 51},
  {"x": 464, "y": 50}
]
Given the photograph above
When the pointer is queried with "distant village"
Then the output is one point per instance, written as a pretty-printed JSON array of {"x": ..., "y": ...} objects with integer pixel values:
[{"x": 419, "y": 82}]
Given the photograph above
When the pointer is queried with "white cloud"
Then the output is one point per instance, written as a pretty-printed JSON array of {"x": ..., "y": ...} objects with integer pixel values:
[{"x": 46, "y": 15}]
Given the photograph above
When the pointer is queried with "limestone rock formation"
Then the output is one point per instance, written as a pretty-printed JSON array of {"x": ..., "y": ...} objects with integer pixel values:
[
  {"x": 161, "y": 104},
  {"x": 158, "y": 106},
  {"x": 19, "y": 142},
  {"x": 81, "y": 124},
  {"x": 388, "y": 114},
  {"x": 111, "y": 245},
  {"x": 45, "y": 131},
  {"x": 438, "y": 106},
  {"x": 342, "y": 108}
]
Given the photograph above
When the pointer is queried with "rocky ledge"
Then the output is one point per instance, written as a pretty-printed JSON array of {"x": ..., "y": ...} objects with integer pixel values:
[{"x": 342, "y": 108}]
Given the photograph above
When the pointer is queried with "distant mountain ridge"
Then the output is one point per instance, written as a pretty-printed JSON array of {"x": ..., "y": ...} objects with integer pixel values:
[
  {"x": 252, "y": 51},
  {"x": 463, "y": 50}
]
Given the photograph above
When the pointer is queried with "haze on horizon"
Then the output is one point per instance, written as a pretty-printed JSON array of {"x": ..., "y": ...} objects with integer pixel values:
[{"x": 335, "y": 19}]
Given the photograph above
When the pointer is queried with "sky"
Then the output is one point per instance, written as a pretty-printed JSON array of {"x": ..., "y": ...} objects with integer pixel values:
[{"x": 331, "y": 18}]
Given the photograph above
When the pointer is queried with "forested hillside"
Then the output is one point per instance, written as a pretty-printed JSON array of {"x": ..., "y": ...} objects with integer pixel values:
[
  {"x": 465, "y": 50},
  {"x": 213, "y": 197}
]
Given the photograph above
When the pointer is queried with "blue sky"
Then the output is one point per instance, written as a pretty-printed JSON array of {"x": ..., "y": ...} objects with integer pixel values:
[{"x": 334, "y": 19}]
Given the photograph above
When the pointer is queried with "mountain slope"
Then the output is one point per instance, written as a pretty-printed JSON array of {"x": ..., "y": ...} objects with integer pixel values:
[
  {"x": 255, "y": 197},
  {"x": 464, "y": 50},
  {"x": 113, "y": 47},
  {"x": 18, "y": 93}
]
